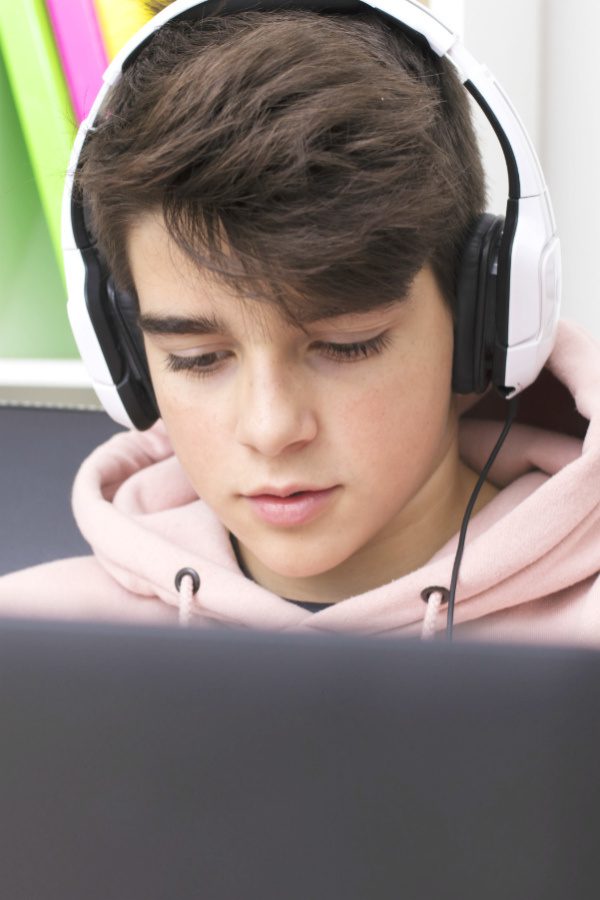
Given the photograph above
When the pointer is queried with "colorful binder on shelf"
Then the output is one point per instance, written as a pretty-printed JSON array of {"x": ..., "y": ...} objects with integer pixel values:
[
  {"x": 119, "y": 20},
  {"x": 81, "y": 49},
  {"x": 33, "y": 316},
  {"x": 52, "y": 57},
  {"x": 41, "y": 99}
]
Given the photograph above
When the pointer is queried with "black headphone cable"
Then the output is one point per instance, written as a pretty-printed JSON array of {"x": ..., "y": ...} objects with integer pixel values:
[{"x": 513, "y": 405}]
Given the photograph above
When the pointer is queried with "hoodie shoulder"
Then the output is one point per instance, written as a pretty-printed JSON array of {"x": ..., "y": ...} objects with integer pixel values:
[{"x": 77, "y": 588}]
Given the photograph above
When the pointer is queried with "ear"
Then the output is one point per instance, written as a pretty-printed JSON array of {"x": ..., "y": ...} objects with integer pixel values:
[{"x": 464, "y": 402}]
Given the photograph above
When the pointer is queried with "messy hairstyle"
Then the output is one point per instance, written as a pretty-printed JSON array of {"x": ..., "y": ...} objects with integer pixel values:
[{"x": 308, "y": 160}]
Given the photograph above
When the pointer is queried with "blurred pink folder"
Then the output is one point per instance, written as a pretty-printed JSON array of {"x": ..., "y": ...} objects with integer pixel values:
[{"x": 81, "y": 49}]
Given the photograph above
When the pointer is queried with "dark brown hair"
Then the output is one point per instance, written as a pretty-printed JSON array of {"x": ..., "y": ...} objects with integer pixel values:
[{"x": 316, "y": 161}]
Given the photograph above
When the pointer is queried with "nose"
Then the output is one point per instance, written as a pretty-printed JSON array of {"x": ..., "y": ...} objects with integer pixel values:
[{"x": 275, "y": 412}]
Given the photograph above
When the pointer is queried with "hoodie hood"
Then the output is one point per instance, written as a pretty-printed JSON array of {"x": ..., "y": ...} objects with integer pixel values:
[{"x": 535, "y": 540}]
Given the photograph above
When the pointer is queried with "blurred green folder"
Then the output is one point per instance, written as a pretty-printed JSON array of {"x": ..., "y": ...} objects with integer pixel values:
[
  {"x": 33, "y": 317},
  {"x": 37, "y": 130}
]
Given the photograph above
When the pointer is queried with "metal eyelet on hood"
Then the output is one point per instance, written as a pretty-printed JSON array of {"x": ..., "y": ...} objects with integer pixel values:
[{"x": 187, "y": 585}]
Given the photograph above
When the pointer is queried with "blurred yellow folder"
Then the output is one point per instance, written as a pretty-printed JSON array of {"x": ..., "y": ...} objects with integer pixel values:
[{"x": 119, "y": 20}]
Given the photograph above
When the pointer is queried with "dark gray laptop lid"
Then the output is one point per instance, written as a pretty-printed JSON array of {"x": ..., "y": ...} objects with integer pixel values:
[{"x": 158, "y": 763}]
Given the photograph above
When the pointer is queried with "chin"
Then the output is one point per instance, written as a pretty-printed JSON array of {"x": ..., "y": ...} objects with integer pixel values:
[{"x": 300, "y": 565}]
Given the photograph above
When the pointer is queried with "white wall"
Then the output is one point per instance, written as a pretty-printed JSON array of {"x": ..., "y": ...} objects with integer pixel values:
[
  {"x": 543, "y": 53},
  {"x": 571, "y": 147}
]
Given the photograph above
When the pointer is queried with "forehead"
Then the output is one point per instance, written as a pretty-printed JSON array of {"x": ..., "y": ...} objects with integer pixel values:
[{"x": 170, "y": 284}]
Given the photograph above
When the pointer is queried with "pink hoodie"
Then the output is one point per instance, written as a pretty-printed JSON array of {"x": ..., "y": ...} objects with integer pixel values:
[{"x": 530, "y": 569}]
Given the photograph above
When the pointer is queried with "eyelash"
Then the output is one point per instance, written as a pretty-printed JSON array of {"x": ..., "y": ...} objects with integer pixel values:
[{"x": 208, "y": 363}]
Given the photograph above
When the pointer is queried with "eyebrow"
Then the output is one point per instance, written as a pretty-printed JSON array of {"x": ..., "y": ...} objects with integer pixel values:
[
  {"x": 210, "y": 324},
  {"x": 181, "y": 325}
]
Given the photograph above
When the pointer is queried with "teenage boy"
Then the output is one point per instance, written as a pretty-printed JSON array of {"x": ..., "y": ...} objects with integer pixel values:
[{"x": 285, "y": 196}]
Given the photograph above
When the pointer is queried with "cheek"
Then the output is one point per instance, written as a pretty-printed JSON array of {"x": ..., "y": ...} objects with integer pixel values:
[
  {"x": 197, "y": 435},
  {"x": 402, "y": 420}
]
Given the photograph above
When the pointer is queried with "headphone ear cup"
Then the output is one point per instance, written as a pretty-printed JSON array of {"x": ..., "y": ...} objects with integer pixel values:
[
  {"x": 475, "y": 310},
  {"x": 136, "y": 387}
]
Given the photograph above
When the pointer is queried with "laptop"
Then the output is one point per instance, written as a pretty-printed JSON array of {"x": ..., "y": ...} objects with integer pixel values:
[{"x": 140, "y": 763}]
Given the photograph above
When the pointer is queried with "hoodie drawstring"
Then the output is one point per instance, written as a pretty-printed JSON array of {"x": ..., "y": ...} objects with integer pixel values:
[
  {"x": 187, "y": 585},
  {"x": 434, "y": 597}
]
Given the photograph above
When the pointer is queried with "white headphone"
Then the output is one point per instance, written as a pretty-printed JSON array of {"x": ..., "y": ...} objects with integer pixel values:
[{"x": 510, "y": 270}]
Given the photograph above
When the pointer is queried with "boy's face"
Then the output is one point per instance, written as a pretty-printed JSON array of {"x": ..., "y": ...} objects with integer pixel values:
[{"x": 354, "y": 416}]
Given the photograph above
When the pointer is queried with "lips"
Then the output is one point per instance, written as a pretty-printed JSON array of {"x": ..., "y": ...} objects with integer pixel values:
[
  {"x": 284, "y": 492},
  {"x": 290, "y": 506}
]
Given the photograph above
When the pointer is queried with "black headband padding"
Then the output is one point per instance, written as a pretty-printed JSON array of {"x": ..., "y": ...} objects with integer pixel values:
[{"x": 475, "y": 312}]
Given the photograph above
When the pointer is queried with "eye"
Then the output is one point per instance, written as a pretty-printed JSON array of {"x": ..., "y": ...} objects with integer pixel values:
[
  {"x": 356, "y": 350},
  {"x": 204, "y": 364}
]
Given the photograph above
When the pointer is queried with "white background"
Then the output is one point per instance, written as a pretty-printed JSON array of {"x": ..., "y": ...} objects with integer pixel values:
[{"x": 544, "y": 53}]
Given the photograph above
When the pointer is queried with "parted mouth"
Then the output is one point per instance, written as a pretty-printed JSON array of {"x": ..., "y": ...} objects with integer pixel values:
[
  {"x": 291, "y": 506},
  {"x": 293, "y": 490}
]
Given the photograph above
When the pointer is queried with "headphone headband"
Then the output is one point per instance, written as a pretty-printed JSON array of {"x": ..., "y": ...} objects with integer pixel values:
[{"x": 527, "y": 268}]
